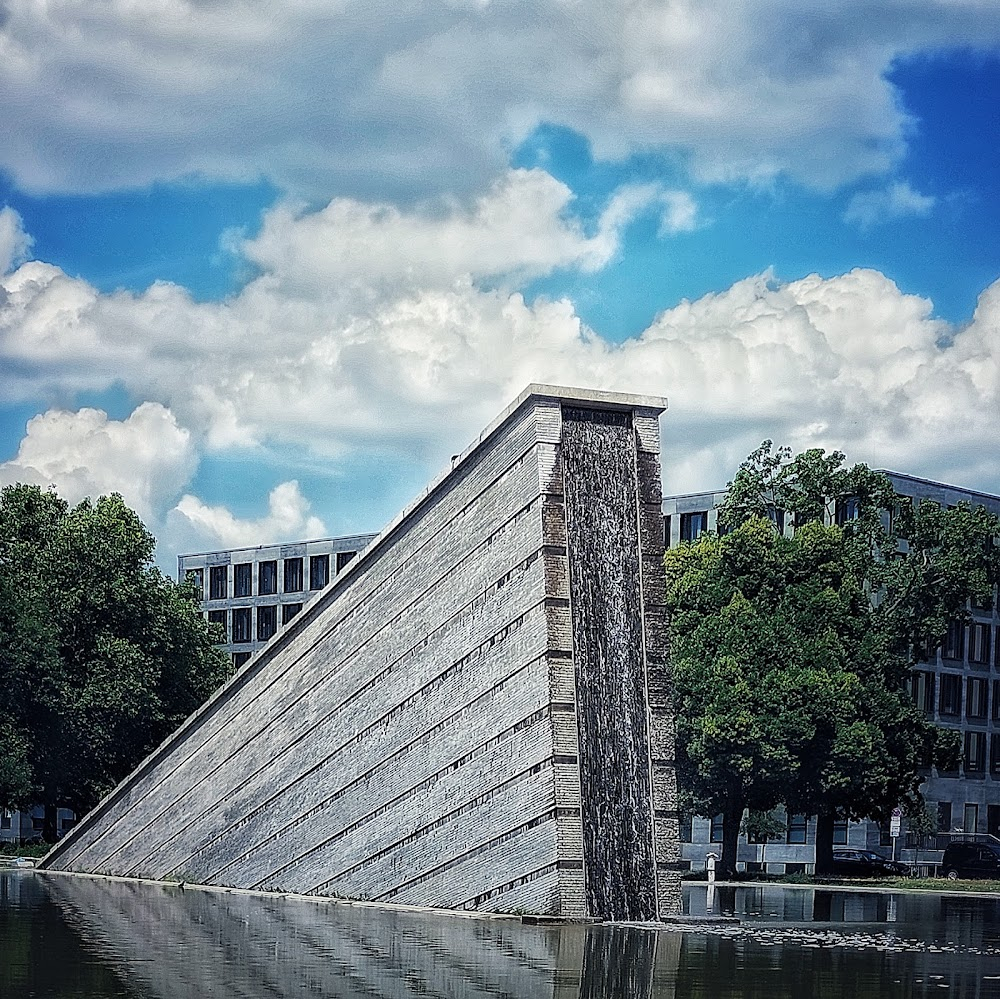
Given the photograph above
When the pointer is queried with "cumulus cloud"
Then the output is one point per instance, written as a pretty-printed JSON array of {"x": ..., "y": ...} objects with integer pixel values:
[
  {"x": 899, "y": 200},
  {"x": 288, "y": 518},
  {"x": 351, "y": 340},
  {"x": 15, "y": 243},
  {"x": 147, "y": 457},
  {"x": 417, "y": 98}
]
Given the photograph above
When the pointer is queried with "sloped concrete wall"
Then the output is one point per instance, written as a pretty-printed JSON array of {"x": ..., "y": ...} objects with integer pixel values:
[{"x": 415, "y": 735}]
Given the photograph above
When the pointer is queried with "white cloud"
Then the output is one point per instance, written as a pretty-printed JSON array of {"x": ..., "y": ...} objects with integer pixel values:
[
  {"x": 288, "y": 518},
  {"x": 899, "y": 200},
  {"x": 15, "y": 243},
  {"x": 416, "y": 98},
  {"x": 680, "y": 213},
  {"x": 147, "y": 457},
  {"x": 351, "y": 340}
]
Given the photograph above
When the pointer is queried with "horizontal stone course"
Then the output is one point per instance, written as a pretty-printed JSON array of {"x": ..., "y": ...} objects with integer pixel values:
[{"x": 412, "y": 736}]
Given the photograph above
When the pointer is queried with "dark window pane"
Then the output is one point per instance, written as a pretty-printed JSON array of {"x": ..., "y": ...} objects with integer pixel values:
[
  {"x": 240, "y": 659},
  {"x": 797, "y": 828},
  {"x": 293, "y": 575},
  {"x": 243, "y": 580},
  {"x": 288, "y": 611},
  {"x": 944, "y": 816},
  {"x": 995, "y": 753},
  {"x": 848, "y": 508},
  {"x": 221, "y": 618},
  {"x": 976, "y": 698},
  {"x": 242, "y": 624},
  {"x": 715, "y": 830},
  {"x": 954, "y": 642},
  {"x": 975, "y": 752},
  {"x": 950, "y": 702},
  {"x": 343, "y": 558},
  {"x": 319, "y": 571},
  {"x": 693, "y": 525},
  {"x": 839, "y": 832},
  {"x": 267, "y": 622},
  {"x": 197, "y": 576},
  {"x": 267, "y": 578},
  {"x": 218, "y": 582},
  {"x": 666, "y": 532}
]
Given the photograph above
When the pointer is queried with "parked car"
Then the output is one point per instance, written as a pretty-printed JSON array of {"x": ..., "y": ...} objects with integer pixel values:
[
  {"x": 969, "y": 859},
  {"x": 867, "y": 864}
]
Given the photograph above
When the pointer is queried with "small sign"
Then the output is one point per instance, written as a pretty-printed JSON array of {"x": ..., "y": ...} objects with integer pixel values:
[{"x": 895, "y": 823}]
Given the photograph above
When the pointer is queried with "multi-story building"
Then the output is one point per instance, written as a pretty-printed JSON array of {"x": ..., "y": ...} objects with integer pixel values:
[
  {"x": 252, "y": 592},
  {"x": 958, "y": 687},
  {"x": 26, "y": 826}
]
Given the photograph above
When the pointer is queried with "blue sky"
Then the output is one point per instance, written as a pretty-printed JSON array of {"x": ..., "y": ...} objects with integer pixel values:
[{"x": 264, "y": 274}]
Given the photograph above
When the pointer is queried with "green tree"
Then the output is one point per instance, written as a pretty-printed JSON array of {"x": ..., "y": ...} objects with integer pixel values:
[
  {"x": 823, "y": 629},
  {"x": 101, "y": 655}
]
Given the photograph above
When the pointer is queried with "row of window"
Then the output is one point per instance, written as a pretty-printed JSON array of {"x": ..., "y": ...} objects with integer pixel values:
[
  {"x": 795, "y": 830},
  {"x": 242, "y": 621},
  {"x": 977, "y": 638},
  {"x": 979, "y": 704},
  {"x": 797, "y": 826},
  {"x": 292, "y": 575}
]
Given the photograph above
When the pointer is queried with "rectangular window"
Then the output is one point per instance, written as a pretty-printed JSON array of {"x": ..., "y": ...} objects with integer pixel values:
[
  {"x": 267, "y": 621},
  {"x": 221, "y": 618},
  {"x": 922, "y": 690},
  {"x": 975, "y": 752},
  {"x": 950, "y": 701},
  {"x": 995, "y": 712},
  {"x": 944, "y": 816},
  {"x": 666, "y": 531},
  {"x": 693, "y": 525},
  {"x": 240, "y": 659},
  {"x": 970, "y": 819},
  {"x": 848, "y": 508},
  {"x": 319, "y": 571},
  {"x": 288, "y": 611},
  {"x": 796, "y": 829},
  {"x": 980, "y": 636},
  {"x": 267, "y": 578},
  {"x": 777, "y": 517},
  {"x": 840, "y": 832},
  {"x": 977, "y": 698},
  {"x": 37, "y": 824},
  {"x": 293, "y": 575},
  {"x": 5, "y": 820},
  {"x": 197, "y": 576},
  {"x": 715, "y": 829},
  {"x": 242, "y": 624},
  {"x": 685, "y": 827},
  {"x": 954, "y": 641},
  {"x": 218, "y": 582},
  {"x": 995, "y": 754},
  {"x": 243, "y": 580},
  {"x": 343, "y": 558}
]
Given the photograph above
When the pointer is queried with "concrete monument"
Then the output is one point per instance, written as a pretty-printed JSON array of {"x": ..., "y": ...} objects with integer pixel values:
[{"x": 475, "y": 715}]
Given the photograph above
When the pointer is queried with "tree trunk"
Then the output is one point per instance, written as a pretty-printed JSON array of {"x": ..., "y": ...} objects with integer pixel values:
[
  {"x": 49, "y": 824},
  {"x": 732, "y": 817},
  {"x": 824, "y": 843}
]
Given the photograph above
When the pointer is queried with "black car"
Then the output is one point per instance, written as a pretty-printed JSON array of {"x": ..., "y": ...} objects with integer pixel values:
[
  {"x": 969, "y": 859},
  {"x": 866, "y": 864}
]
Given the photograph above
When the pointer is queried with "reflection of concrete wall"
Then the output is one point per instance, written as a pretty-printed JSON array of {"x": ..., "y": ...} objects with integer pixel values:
[
  {"x": 179, "y": 944},
  {"x": 419, "y": 732}
]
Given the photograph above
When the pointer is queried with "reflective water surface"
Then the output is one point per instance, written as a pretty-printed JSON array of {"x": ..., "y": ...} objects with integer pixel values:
[{"x": 90, "y": 939}]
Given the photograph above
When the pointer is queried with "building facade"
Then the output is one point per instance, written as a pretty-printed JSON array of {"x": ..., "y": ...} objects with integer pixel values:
[
  {"x": 251, "y": 593},
  {"x": 26, "y": 826},
  {"x": 958, "y": 687}
]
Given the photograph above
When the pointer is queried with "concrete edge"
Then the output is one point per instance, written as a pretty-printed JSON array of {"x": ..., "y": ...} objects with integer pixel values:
[{"x": 534, "y": 392}]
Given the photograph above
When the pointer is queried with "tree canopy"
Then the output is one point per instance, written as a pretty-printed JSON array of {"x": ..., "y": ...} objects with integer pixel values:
[
  {"x": 791, "y": 651},
  {"x": 101, "y": 655}
]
